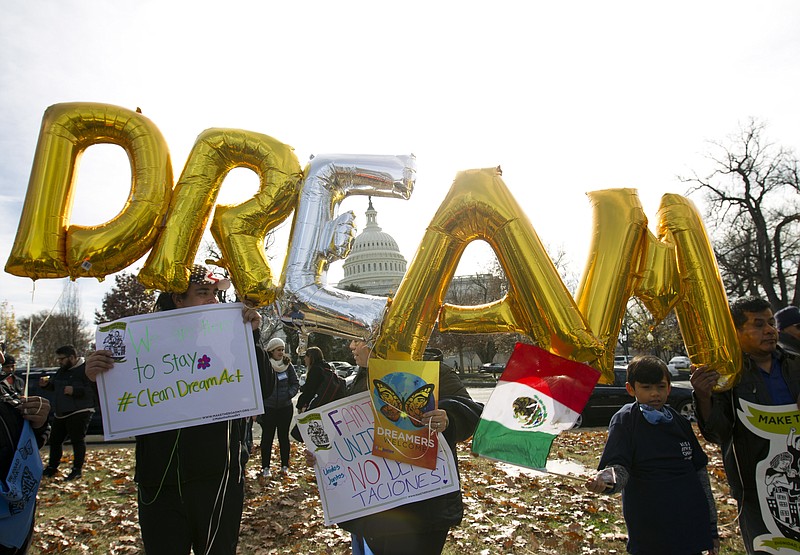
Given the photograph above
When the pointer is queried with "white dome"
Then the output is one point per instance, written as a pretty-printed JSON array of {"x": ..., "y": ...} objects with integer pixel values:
[{"x": 374, "y": 263}]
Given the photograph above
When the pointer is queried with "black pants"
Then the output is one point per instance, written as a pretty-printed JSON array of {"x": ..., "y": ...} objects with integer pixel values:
[
  {"x": 751, "y": 524},
  {"x": 271, "y": 421},
  {"x": 423, "y": 543},
  {"x": 176, "y": 520},
  {"x": 74, "y": 426}
]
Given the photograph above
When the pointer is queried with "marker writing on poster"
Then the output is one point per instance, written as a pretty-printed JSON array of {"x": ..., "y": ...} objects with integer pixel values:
[
  {"x": 151, "y": 397},
  {"x": 376, "y": 480}
]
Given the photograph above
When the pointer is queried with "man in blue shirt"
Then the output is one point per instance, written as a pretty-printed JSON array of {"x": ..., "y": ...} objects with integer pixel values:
[{"x": 769, "y": 376}]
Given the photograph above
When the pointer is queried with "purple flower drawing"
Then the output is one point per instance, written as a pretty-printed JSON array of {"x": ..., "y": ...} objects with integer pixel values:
[{"x": 204, "y": 362}]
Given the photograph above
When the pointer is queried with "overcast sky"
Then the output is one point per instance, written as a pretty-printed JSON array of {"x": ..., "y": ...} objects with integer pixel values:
[{"x": 566, "y": 97}]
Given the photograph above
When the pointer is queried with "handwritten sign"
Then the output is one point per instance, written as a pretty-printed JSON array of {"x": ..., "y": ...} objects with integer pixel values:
[
  {"x": 352, "y": 481},
  {"x": 177, "y": 369}
]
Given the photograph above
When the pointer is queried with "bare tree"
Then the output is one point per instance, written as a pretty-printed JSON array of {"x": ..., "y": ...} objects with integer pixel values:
[
  {"x": 753, "y": 196},
  {"x": 65, "y": 326},
  {"x": 128, "y": 297}
]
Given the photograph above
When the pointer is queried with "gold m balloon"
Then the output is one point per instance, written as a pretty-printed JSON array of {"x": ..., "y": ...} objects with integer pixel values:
[
  {"x": 703, "y": 313},
  {"x": 46, "y": 245},
  {"x": 238, "y": 230},
  {"x": 480, "y": 206},
  {"x": 617, "y": 244}
]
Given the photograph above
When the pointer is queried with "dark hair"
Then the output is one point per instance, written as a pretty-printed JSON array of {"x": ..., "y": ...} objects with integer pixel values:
[
  {"x": 164, "y": 302},
  {"x": 647, "y": 369},
  {"x": 67, "y": 350},
  {"x": 746, "y": 304},
  {"x": 315, "y": 354}
]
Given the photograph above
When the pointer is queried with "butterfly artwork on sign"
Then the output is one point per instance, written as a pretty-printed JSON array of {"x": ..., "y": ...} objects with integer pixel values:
[
  {"x": 402, "y": 392},
  {"x": 412, "y": 408}
]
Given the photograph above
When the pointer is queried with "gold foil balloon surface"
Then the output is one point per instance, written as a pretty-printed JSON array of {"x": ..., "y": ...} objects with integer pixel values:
[
  {"x": 47, "y": 246},
  {"x": 618, "y": 232},
  {"x": 659, "y": 284},
  {"x": 480, "y": 206},
  {"x": 703, "y": 313},
  {"x": 238, "y": 230}
]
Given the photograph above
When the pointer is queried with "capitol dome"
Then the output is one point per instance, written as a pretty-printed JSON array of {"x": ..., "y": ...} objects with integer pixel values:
[{"x": 375, "y": 263}]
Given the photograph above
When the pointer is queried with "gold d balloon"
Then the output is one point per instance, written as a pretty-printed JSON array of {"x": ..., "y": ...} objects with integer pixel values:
[{"x": 57, "y": 249}]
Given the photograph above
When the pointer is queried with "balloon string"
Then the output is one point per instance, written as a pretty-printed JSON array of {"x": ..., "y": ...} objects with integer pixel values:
[{"x": 32, "y": 337}]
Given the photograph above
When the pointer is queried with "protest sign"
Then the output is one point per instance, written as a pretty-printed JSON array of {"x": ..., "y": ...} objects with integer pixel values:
[
  {"x": 402, "y": 391},
  {"x": 177, "y": 369},
  {"x": 777, "y": 474},
  {"x": 352, "y": 481}
]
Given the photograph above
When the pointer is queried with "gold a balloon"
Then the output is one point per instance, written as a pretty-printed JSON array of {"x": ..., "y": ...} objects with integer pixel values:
[{"x": 480, "y": 206}]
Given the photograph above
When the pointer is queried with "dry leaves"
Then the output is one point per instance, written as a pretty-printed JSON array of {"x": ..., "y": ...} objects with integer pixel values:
[{"x": 504, "y": 512}]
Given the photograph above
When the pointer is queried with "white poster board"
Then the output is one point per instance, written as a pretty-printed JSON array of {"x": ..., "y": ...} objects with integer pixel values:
[
  {"x": 352, "y": 481},
  {"x": 176, "y": 369}
]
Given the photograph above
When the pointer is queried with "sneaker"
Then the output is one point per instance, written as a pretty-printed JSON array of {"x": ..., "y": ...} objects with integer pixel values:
[
  {"x": 49, "y": 472},
  {"x": 284, "y": 470},
  {"x": 76, "y": 473},
  {"x": 266, "y": 473}
]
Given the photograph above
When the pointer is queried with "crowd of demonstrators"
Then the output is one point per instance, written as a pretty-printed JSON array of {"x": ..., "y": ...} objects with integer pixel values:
[
  {"x": 420, "y": 527},
  {"x": 23, "y": 430},
  {"x": 191, "y": 481},
  {"x": 654, "y": 458},
  {"x": 769, "y": 376},
  {"x": 787, "y": 320},
  {"x": 73, "y": 404},
  {"x": 10, "y": 382},
  {"x": 278, "y": 407}
]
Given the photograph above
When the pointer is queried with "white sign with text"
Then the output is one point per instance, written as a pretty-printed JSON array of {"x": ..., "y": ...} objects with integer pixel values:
[
  {"x": 177, "y": 369},
  {"x": 352, "y": 481}
]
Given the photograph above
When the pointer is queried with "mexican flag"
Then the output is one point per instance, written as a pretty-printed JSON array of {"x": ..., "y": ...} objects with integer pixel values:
[{"x": 538, "y": 396}]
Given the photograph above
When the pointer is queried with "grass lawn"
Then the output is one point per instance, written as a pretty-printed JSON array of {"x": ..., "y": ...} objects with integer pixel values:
[{"x": 505, "y": 512}]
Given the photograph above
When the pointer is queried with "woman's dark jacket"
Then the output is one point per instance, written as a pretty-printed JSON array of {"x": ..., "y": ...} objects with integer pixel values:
[
  {"x": 314, "y": 378},
  {"x": 284, "y": 391}
]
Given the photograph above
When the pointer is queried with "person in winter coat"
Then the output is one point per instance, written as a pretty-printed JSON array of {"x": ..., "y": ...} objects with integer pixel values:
[
  {"x": 191, "y": 480},
  {"x": 420, "y": 527},
  {"x": 315, "y": 362},
  {"x": 23, "y": 421},
  {"x": 788, "y": 322},
  {"x": 10, "y": 382},
  {"x": 73, "y": 406},
  {"x": 278, "y": 408}
]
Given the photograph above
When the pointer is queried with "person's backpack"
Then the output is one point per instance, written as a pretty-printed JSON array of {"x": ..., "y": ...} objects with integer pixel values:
[{"x": 333, "y": 387}]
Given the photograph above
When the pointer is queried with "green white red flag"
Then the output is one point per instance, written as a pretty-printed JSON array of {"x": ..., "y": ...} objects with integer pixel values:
[{"x": 538, "y": 396}]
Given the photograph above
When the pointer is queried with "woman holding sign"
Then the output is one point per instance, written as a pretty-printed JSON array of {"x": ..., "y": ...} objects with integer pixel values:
[{"x": 421, "y": 527}]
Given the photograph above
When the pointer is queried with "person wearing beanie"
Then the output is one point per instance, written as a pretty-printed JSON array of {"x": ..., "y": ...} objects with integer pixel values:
[
  {"x": 10, "y": 382},
  {"x": 190, "y": 480},
  {"x": 278, "y": 408},
  {"x": 787, "y": 320}
]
